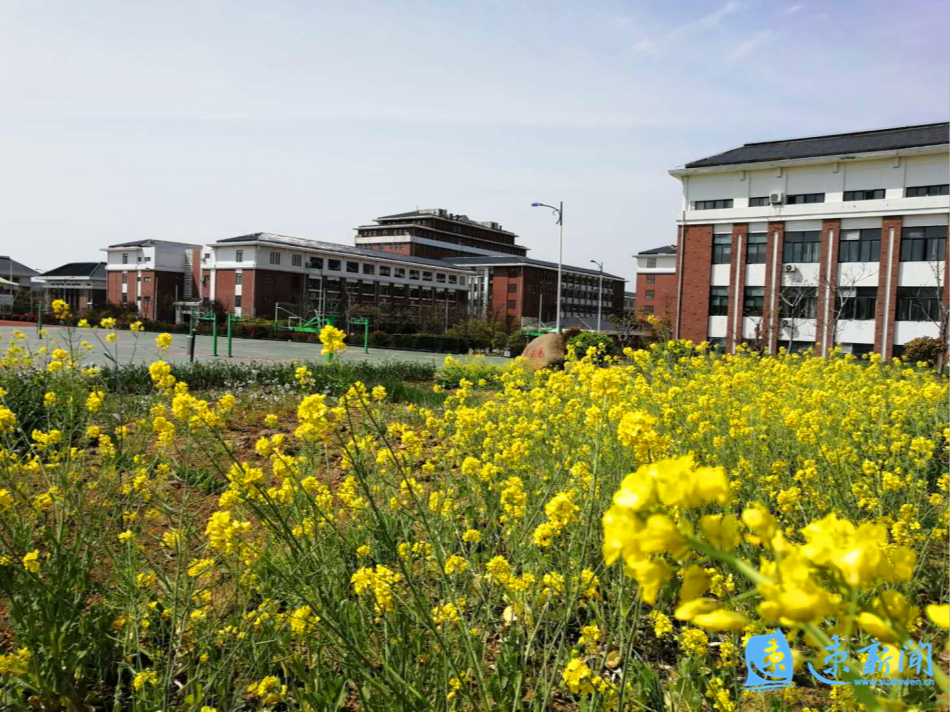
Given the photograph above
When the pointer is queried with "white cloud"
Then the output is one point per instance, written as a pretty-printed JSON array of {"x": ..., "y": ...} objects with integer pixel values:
[
  {"x": 706, "y": 22},
  {"x": 744, "y": 48},
  {"x": 791, "y": 10}
]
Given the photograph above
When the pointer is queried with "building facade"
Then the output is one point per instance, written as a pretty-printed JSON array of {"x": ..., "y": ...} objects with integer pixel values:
[
  {"x": 82, "y": 285},
  {"x": 813, "y": 242},
  {"x": 525, "y": 290},
  {"x": 153, "y": 275},
  {"x": 436, "y": 233},
  {"x": 252, "y": 275},
  {"x": 656, "y": 284},
  {"x": 17, "y": 290}
]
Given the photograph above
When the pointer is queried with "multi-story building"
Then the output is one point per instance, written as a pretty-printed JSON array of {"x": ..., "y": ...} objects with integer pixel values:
[
  {"x": 153, "y": 275},
  {"x": 252, "y": 274},
  {"x": 82, "y": 285},
  {"x": 656, "y": 285},
  {"x": 18, "y": 295},
  {"x": 837, "y": 239},
  {"x": 437, "y": 233},
  {"x": 525, "y": 290}
]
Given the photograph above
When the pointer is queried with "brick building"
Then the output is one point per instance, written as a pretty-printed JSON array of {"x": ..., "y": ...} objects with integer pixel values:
[
  {"x": 837, "y": 239},
  {"x": 525, "y": 290},
  {"x": 437, "y": 233},
  {"x": 252, "y": 274},
  {"x": 82, "y": 285},
  {"x": 656, "y": 284},
  {"x": 153, "y": 275}
]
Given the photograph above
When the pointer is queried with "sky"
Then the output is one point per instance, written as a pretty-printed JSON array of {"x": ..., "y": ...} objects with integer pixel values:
[{"x": 201, "y": 120}]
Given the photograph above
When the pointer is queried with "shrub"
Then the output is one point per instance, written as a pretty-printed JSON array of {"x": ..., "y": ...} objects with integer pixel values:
[
  {"x": 588, "y": 339},
  {"x": 925, "y": 348}
]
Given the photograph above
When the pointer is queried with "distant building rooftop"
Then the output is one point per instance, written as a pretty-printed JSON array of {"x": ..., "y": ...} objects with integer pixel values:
[
  {"x": 288, "y": 241},
  {"x": 84, "y": 270},
  {"x": 664, "y": 250},
  {"x": 152, "y": 243},
  {"x": 9, "y": 266},
  {"x": 830, "y": 145},
  {"x": 445, "y": 215},
  {"x": 502, "y": 260}
]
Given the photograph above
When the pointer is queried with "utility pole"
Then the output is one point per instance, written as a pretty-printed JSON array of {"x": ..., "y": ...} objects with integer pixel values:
[{"x": 600, "y": 287}]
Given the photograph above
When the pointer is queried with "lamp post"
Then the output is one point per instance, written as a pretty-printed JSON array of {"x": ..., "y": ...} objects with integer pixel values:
[
  {"x": 559, "y": 211},
  {"x": 600, "y": 283}
]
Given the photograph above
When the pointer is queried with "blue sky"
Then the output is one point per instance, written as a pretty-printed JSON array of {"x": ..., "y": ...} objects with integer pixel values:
[{"x": 201, "y": 120}]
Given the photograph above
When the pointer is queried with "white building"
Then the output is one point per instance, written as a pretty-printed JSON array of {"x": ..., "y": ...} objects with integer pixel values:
[{"x": 817, "y": 241}]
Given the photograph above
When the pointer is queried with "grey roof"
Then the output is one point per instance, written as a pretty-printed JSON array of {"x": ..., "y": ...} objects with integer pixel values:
[
  {"x": 495, "y": 260},
  {"x": 664, "y": 250},
  {"x": 92, "y": 270},
  {"x": 288, "y": 241},
  {"x": 150, "y": 243},
  {"x": 18, "y": 268},
  {"x": 444, "y": 215},
  {"x": 830, "y": 145}
]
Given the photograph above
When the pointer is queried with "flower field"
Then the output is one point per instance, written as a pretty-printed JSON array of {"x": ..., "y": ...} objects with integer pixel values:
[{"x": 608, "y": 537}]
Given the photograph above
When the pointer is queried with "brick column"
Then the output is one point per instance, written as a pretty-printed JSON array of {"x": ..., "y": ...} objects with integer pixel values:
[
  {"x": 734, "y": 310},
  {"x": 696, "y": 250},
  {"x": 887, "y": 287},
  {"x": 827, "y": 286},
  {"x": 769, "y": 328}
]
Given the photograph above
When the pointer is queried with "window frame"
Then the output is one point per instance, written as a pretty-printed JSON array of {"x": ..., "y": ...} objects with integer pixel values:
[
  {"x": 859, "y": 306},
  {"x": 756, "y": 256},
  {"x": 931, "y": 246},
  {"x": 719, "y": 301},
  {"x": 722, "y": 250},
  {"x": 754, "y": 299},
  {"x": 805, "y": 198},
  {"x": 868, "y": 244},
  {"x": 929, "y": 190},
  {"x": 794, "y": 247},
  {"x": 850, "y": 196},
  {"x": 716, "y": 204}
]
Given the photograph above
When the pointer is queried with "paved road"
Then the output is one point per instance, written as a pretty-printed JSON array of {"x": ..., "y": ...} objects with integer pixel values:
[{"x": 128, "y": 348}]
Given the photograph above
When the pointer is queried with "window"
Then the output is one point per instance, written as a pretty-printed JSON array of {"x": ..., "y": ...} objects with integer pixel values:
[
  {"x": 510, "y": 304},
  {"x": 369, "y": 269},
  {"x": 803, "y": 198},
  {"x": 651, "y": 278},
  {"x": 753, "y": 301},
  {"x": 239, "y": 255},
  {"x": 648, "y": 309},
  {"x": 453, "y": 279},
  {"x": 918, "y": 304},
  {"x": 756, "y": 248},
  {"x": 125, "y": 297},
  {"x": 125, "y": 277},
  {"x": 759, "y": 202},
  {"x": 147, "y": 279},
  {"x": 297, "y": 260},
  {"x": 237, "y": 301},
  {"x": 440, "y": 277},
  {"x": 316, "y": 263},
  {"x": 148, "y": 259},
  {"x": 860, "y": 245},
  {"x": 877, "y": 194},
  {"x": 924, "y": 244},
  {"x": 801, "y": 246},
  {"x": 857, "y": 304},
  {"x": 513, "y": 287},
  {"x": 414, "y": 274},
  {"x": 275, "y": 258},
  {"x": 238, "y": 278},
  {"x": 427, "y": 276},
  {"x": 923, "y": 191},
  {"x": 125, "y": 258},
  {"x": 651, "y": 263},
  {"x": 353, "y": 267},
  {"x": 721, "y": 249},
  {"x": 649, "y": 294},
  {"x": 384, "y": 271},
  {"x": 712, "y": 204},
  {"x": 399, "y": 272},
  {"x": 797, "y": 302},
  {"x": 718, "y": 300},
  {"x": 333, "y": 265}
]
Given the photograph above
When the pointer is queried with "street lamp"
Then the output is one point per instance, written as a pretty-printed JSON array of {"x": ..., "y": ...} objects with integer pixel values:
[
  {"x": 559, "y": 211},
  {"x": 600, "y": 283}
]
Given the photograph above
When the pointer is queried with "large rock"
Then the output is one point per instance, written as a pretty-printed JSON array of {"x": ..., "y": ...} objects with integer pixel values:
[{"x": 545, "y": 350}]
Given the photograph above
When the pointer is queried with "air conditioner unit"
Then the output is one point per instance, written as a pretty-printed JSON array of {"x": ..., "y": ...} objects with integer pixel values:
[
  {"x": 789, "y": 268},
  {"x": 776, "y": 198}
]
